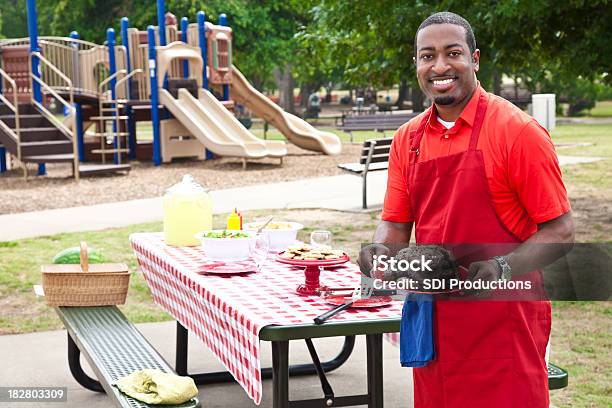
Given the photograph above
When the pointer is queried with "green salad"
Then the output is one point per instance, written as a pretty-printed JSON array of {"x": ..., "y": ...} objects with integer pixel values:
[{"x": 225, "y": 234}]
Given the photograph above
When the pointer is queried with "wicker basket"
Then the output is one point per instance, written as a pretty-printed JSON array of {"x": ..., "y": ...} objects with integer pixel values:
[{"x": 84, "y": 284}]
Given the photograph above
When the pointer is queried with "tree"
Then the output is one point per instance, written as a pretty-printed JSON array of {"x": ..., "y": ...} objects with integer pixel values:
[
  {"x": 263, "y": 32},
  {"x": 13, "y": 20},
  {"x": 373, "y": 41}
]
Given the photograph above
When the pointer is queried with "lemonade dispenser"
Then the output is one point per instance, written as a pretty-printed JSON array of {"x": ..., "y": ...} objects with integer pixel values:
[{"x": 187, "y": 211}]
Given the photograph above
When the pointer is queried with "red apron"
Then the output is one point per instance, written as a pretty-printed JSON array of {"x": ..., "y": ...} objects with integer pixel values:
[{"x": 488, "y": 353}]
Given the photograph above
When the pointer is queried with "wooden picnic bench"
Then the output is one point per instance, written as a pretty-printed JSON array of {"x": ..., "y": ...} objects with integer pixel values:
[
  {"x": 113, "y": 347},
  {"x": 374, "y": 157},
  {"x": 380, "y": 122}
]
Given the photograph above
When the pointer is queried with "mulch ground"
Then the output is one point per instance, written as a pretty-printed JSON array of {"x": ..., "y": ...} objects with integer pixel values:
[{"x": 59, "y": 190}]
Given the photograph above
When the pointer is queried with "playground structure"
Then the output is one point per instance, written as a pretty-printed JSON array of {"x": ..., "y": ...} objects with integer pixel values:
[{"x": 108, "y": 88}]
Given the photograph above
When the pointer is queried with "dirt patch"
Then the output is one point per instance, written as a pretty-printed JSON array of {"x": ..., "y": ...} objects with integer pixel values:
[
  {"x": 592, "y": 211},
  {"x": 59, "y": 190}
]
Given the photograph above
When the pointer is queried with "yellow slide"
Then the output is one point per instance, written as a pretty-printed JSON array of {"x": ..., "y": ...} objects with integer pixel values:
[
  {"x": 216, "y": 127},
  {"x": 296, "y": 130}
]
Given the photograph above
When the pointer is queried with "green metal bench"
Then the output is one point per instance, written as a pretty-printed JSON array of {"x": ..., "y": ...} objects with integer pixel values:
[
  {"x": 557, "y": 377},
  {"x": 113, "y": 348}
]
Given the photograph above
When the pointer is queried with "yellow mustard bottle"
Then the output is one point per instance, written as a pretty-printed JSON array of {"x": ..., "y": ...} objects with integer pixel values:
[
  {"x": 187, "y": 211},
  {"x": 233, "y": 221}
]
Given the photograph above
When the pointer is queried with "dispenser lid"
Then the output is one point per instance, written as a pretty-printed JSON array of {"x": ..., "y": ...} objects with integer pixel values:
[{"x": 186, "y": 186}]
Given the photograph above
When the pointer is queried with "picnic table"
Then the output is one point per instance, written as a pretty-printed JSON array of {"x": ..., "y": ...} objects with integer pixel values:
[{"x": 232, "y": 314}]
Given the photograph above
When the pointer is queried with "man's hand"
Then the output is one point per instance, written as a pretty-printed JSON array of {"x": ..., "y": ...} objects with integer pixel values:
[
  {"x": 366, "y": 256},
  {"x": 486, "y": 271}
]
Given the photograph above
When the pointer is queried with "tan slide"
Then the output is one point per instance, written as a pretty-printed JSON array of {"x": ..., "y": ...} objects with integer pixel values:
[
  {"x": 205, "y": 117},
  {"x": 209, "y": 128},
  {"x": 296, "y": 130},
  {"x": 232, "y": 126}
]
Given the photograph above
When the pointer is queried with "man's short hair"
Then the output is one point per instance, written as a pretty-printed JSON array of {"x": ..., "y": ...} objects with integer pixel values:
[{"x": 446, "y": 17}]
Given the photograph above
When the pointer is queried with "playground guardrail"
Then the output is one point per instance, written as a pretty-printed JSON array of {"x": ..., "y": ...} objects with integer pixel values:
[
  {"x": 85, "y": 63},
  {"x": 134, "y": 72},
  {"x": 69, "y": 132},
  {"x": 15, "y": 108}
]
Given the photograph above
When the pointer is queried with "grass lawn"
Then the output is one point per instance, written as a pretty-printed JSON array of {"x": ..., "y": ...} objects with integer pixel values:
[
  {"x": 602, "y": 109},
  {"x": 20, "y": 263},
  {"x": 598, "y": 140},
  {"x": 144, "y": 131}
]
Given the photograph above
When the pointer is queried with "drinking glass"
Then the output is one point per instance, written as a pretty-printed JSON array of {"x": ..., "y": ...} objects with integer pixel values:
[
  {"x": 321, "y": 239},
  {"x": 260, "y": 247}
]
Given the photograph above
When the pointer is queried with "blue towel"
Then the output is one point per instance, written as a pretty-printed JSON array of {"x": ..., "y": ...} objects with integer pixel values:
[{"x": 416, "y": 331}]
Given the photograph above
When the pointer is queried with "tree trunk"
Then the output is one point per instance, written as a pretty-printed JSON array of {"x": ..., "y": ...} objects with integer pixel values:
[
  {"x": 304, "y": 94},
  {"x": 402, "y": 94},
  {"x": 516, "y": 87},
  {"x": 284, "y": 82},
  {"x": 497, "y": 81},
  {"x": 257, "y": 82},
  {"x": 328, "y": 92},
  {"x": 417, "y": 100}
]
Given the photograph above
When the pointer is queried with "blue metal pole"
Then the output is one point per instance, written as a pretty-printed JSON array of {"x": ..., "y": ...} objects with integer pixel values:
[
  {"x": 202, "y": 41},
  {"x": 154, "y": 96},
  {"x": 184, "y": 28},
  {"x": 112, "y": 65},
  {"x": 33, "y": 32},
  {"x": 2, "y": 159},
  {"x": 125, "y": 24},
  {"x": 203, "y": 48},
  {"x": 161, "y": 21},
  {"x": 131, "y": 128},
  {"x": 226, "y": 87},
  {"x": 79, "y": 115},
  {"x": 80, "y": 133},
  {"x": 112, "y": 68}
]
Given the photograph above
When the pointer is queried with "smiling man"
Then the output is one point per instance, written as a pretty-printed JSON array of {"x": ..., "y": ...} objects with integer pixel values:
[{"x": 473, "y": 168}]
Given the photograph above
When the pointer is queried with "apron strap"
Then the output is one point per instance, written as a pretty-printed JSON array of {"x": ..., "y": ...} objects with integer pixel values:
[
  {"x": 481, "y": 109},
  {"x": 416, "y": 141}
]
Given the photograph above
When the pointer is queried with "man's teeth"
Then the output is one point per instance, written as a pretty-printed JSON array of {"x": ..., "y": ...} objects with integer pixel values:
[{"x": 443, "y": 81}]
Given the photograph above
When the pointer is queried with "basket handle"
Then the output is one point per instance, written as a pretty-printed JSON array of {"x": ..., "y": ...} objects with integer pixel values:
[{"x": 84, "y": 258}]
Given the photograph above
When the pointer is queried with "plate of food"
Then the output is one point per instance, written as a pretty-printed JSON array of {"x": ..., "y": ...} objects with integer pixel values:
[
  {"x": 313, "y": 259},
  {"x": 305, "y": 255},
  {"x": 436, "y": 279}
]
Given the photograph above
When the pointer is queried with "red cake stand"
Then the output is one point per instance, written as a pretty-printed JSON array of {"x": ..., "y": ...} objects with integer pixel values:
[{"x": 312, "y": 270}]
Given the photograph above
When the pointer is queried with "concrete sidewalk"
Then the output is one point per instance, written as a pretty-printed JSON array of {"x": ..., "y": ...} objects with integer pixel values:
[
  {"x": 337, "y": 192},
  {"x": 39, "y": 359}
]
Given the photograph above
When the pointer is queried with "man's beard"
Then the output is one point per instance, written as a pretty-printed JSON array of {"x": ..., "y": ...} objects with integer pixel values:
[{"x": 444, "y": 100}]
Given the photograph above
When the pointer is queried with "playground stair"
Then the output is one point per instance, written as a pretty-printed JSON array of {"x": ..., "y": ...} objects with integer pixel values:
[{"x": 42, "y": 142}]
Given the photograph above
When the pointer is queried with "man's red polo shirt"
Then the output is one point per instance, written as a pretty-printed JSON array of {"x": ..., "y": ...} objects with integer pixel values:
[{"x": 520, "y": 163}]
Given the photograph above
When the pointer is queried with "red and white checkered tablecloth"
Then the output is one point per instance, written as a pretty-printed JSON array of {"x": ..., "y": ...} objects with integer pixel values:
[{"x": 226, "y": 312}]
